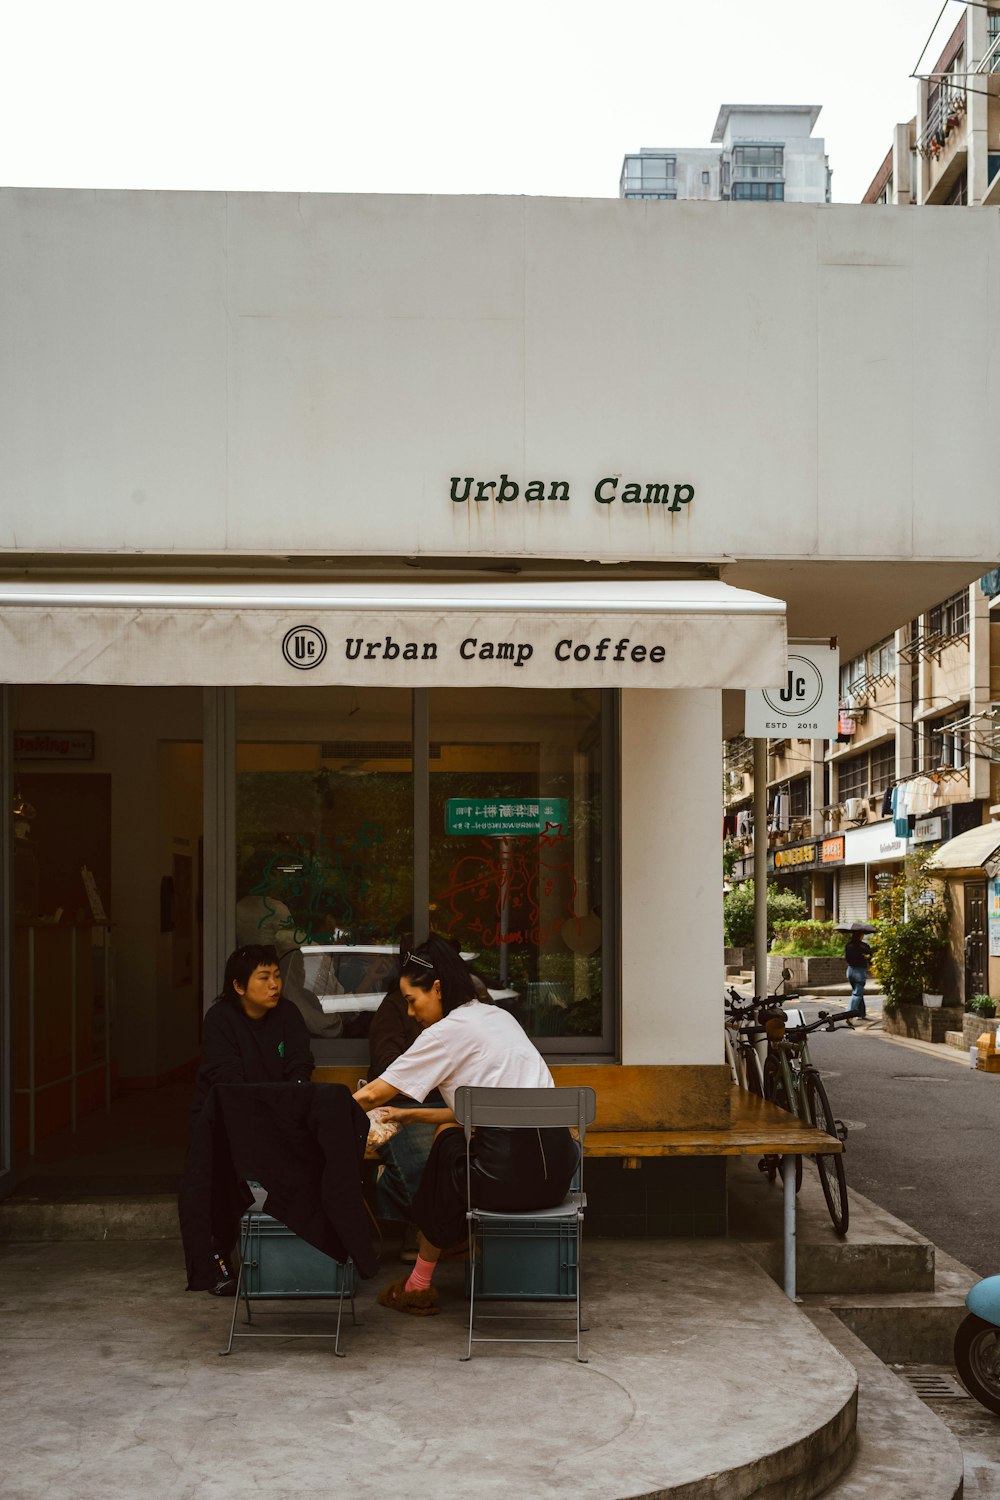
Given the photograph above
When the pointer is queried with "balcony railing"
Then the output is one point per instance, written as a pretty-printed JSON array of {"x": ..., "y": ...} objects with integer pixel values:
[
  {"x": 945, "y": 115},
  {"x": 990, "y": 62}
]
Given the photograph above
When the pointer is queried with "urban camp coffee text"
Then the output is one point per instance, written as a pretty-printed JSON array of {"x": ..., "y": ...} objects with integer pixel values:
[
  {"x": 356, "y": 648},
  {"x": 504, "y": 491}
]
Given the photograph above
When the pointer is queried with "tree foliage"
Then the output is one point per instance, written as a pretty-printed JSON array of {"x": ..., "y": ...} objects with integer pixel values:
[
  {"x": 737, "y": 912},
  {"x": 911, "y": 936}
]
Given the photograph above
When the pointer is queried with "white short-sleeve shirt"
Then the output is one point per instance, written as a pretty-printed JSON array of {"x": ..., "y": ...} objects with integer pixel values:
[{"x": 478, "y": 1046}]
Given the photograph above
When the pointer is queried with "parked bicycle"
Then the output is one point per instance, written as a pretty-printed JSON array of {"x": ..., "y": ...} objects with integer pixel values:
[
  {"x": 792, "y": 1081},
  {"x": 745, "y": 1032}
]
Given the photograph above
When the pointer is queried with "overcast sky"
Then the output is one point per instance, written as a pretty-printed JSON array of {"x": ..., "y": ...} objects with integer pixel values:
[{"x": 451, "y": 96}]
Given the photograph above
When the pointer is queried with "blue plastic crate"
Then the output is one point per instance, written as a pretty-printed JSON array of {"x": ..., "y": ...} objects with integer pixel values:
[
  {"x": 526, "y": 1260},
  {"x": 276, "y": 1263}
]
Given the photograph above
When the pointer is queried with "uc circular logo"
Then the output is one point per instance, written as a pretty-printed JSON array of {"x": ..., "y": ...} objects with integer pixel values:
[
  {"x": 304, "y": 647},
  {"x": 802, "y": 690}
]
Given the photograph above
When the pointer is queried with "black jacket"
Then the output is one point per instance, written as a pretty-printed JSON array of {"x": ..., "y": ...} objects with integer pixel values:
[
  {"x": 235, "y": 1049},
  {"x": 306, "y": 1146}
]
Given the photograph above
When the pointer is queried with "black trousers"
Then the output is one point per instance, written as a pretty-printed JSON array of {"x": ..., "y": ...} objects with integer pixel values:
[{"x": 515, "y": 1170}]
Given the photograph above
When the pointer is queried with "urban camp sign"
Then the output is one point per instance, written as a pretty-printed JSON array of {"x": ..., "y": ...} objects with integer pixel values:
[{"x": 804, "y": 706}]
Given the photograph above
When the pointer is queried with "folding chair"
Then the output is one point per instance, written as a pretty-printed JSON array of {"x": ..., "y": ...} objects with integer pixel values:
[
  {"x": 526, "y": 1109},
  {"x": 275, "y": 1265}
]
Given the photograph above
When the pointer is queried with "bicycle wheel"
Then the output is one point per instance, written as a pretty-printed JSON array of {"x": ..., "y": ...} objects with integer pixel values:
[
  {"x": 751, "y": 1072},
  {"x": 776, "y": 1093},
  {"x": 830, "y": 1167}
]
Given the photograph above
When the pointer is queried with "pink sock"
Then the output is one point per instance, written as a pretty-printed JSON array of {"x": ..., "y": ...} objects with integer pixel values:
[{"x": 419, "y": 1278}]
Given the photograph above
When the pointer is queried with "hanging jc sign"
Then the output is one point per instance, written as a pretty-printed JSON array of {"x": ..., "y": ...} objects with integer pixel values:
[{"x": 803, "y": 706}]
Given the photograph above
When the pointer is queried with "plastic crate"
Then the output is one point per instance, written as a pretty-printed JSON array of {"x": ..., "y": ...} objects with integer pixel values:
[
  {"x": 276, "y": 1263},
  {"x": 527, "y": 1260}
]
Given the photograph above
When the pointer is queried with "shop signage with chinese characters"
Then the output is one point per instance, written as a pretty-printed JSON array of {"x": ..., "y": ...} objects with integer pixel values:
[
  {"x": 492, "y": 818},
  {"x": 803, "y": 854},
  {"x": 53, "y": 744},
  {"x": 927, "y": 830},
  {"x": 805, "y": 705},
  {"x": 832, "y": 850},
  {"x": 993, "y": 915}
]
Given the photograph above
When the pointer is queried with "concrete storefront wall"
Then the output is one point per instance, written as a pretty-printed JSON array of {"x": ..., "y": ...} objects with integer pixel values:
[
  {"x": 296, "y": 374},
  {"x": 671, "y": 877}
]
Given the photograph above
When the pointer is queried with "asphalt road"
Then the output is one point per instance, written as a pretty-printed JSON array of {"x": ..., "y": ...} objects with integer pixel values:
[{"x": 924, "y": 1138}]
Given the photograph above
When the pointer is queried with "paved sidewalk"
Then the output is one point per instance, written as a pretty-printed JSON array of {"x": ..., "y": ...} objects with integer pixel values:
[{"x": 703, "y": 1380}]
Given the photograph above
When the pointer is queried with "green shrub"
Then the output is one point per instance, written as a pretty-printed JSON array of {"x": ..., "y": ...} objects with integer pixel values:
[
  {"x": 910, "y": 940},
  {"x": 808, "y": 939},
  {"x": 982, "y": 1005},
  {"x": 737, "y": 913}
]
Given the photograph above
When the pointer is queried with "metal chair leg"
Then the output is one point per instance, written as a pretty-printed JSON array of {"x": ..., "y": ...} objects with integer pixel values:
[
  {"x": 236, "y": 1307},
  {"x": 340, "y": 1312},
  {"x": 579, "y": 1291},
  {"x": 472, "y": 1290}
]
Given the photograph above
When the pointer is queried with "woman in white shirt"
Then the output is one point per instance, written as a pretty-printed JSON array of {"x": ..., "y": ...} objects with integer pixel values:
[{"x": 464, "y": 1042}]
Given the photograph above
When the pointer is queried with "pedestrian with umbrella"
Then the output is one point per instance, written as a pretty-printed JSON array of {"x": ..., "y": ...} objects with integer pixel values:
[{"x": 859, "y": 957}]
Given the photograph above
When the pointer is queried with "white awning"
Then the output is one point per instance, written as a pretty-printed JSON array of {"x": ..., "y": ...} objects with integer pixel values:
[
  {"x": 615, "y": 634},
  {"x": 978, "y": 848}
]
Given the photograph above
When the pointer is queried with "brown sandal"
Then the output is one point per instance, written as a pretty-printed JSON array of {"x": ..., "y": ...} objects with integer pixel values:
[{"x": 417, "y": 1304}]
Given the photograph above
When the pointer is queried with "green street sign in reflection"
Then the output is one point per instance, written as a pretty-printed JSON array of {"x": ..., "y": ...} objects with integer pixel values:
[{"x": 492, "y": 818}]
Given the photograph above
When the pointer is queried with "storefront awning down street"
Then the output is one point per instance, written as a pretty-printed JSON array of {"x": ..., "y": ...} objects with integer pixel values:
[
  {"x": 977, "y": 849},
  {"x": 678, "y": 634}
]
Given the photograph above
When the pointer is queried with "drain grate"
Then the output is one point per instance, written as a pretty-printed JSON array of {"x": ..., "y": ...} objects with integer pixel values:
[
  {"x": 919, "y": 1078},
  {"x": 935, "y": 1385}
]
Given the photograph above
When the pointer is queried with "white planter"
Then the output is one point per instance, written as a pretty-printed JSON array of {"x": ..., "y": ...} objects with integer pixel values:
[{"x": 933, "y": 1001}]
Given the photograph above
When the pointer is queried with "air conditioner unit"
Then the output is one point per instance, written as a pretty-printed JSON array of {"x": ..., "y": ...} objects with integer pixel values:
[{"x": 856, "y": 809}]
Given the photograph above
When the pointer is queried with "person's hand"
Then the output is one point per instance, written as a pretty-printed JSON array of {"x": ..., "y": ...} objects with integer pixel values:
[{"x": 394, "y": 1116}]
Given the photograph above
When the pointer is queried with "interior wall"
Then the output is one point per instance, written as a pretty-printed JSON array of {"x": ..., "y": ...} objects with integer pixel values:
[
  {"x": 671, "y": 876},
  {"x": 129, "y": 725}
]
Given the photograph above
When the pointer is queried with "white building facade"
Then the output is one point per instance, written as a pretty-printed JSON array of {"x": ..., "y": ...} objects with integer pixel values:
[{"x": 377, "y": 561}]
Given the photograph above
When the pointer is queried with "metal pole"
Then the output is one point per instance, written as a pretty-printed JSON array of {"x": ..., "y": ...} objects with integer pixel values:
[
  {"x": 421, "y": 763},
  {"x": 72, "y": 1030},
  {"x": 760, "y": 866},
  {"x": 106, "y": 935},
  {"x": 789, "y": 1165},
  {"x": 31, "y": 1041}
]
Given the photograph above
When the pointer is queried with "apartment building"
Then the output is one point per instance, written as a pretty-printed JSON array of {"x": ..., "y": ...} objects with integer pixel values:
[
  {"x": 760, "y": 153},
  {"x": 949, "y": 152},
  {"x": 916, "y": 762}
]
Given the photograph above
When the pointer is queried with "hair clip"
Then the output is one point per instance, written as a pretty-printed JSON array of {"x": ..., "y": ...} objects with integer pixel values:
[{"x": 415, "y": 958}]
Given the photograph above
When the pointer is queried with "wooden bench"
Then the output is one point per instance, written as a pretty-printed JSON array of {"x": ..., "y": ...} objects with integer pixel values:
[{"x": 756, "y": 1128}]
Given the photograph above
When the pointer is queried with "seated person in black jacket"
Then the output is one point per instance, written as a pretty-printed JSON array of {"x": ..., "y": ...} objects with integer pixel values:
[{"x": 251, "y": 1035}]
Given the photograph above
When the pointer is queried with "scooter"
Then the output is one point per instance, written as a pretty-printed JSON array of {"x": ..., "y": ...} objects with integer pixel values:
[{"x": 977, "y": 1344}]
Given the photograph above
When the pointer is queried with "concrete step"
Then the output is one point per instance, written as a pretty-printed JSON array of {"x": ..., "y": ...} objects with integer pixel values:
[
  {"x": 149, "y": 1217},
  {"x": 903, "y": 1449},
  {"x": 879, "y": 1254},
  {"x": 907, "y": 1328}
]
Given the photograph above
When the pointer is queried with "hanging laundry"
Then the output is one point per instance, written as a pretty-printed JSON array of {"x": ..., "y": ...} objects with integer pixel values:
[
  {"x": 887, "y": 806},
  {"x": 782, "y": 812},
  {"x": 900, "y": 821},
  {"x": 744, "y": 825}
]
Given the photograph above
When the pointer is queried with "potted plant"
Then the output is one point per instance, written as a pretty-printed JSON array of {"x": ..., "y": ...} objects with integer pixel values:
[
  {"x": 983, "y": 1005},
  {"x": 911, "y": 938}
]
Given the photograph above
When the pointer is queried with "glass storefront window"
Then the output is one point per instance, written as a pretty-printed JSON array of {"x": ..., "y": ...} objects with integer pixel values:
[
  {"x": 491, "y": 830},
  {"x": 324, "y": 829},
  {"x": 516, "y": 818}
]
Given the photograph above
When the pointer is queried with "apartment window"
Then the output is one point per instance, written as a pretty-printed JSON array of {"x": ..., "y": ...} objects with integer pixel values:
[
  {"x": 665, "y": 196},
  {"x": 706, "y": 178},
  {"x": 852, "y": 777},
  {"x": 758, "y": 161},
  {"x": 759, "y": 192},
  {"x": 799, "y": 796},
  {"x": 959, "y": 195},
  {"x": 950, "y": 618},
  {"x": 946, "y": 745},
  {"x": 882, "y": 770}
]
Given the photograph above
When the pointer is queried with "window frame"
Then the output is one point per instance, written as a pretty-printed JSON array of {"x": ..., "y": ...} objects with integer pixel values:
[{"x": 353, "y": 1052}]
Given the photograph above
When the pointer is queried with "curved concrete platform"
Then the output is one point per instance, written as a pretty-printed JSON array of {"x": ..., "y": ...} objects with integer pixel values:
[{"x": 703, "y": 1380}]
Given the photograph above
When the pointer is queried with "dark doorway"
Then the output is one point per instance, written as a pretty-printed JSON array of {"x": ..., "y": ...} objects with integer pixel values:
[{"x": 976, "y": 942}]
